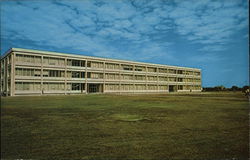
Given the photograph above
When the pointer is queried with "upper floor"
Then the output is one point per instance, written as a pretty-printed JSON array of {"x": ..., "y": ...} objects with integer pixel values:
[{"x": 34, "y": 58}]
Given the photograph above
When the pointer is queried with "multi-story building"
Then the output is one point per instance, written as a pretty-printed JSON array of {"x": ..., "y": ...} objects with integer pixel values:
[{"x": 32, "y": 72}]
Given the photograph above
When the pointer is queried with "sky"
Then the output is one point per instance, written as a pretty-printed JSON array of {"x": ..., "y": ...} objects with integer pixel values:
[{"x": 212, "y": 35}]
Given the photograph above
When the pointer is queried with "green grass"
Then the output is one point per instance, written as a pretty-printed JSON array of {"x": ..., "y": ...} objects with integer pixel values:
[{"x": 174, "y": 126}]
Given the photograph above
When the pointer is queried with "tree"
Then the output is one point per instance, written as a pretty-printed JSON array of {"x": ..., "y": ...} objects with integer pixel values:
[
  {"x": 235, "y": 88},
  {"x": 219, "y": 88},
  {"x": 244, "y": 88}
]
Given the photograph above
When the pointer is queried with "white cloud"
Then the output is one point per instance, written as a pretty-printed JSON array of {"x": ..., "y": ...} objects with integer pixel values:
[
  {"x": 93, "y": 26},
  {"x": 209, "y": 22}
]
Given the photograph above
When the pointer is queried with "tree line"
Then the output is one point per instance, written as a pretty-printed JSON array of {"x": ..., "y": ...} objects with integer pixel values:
[{"x": 223, "y": 88}]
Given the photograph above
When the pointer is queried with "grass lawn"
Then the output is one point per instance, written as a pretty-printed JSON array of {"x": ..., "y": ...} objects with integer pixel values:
[{"x": 173, "y": 126}]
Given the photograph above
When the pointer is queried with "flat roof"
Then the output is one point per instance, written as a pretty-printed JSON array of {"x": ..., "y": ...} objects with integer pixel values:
[{"x": 89, "y": 57}]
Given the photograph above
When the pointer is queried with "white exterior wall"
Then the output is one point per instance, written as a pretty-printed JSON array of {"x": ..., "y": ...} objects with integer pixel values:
[{"x": 104, "y": 81}]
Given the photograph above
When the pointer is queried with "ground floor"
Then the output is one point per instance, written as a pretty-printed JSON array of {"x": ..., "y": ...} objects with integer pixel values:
[{"x": 67, "y": 87}]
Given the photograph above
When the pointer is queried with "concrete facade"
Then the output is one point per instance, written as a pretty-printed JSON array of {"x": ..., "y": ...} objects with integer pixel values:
[{"x": 33, "y": 72}]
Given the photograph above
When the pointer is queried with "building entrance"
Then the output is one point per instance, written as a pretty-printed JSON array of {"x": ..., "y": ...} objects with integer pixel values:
[
  {"x": 95, "y": 88},
  {"x": 172, "y": 88}
]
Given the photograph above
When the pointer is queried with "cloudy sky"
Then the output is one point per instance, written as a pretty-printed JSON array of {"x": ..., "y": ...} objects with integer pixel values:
[{"x": 207, "y": 34}]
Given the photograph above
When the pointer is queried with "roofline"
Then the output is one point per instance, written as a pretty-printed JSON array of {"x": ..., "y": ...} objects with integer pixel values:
[{"x": 88, "y": 57}]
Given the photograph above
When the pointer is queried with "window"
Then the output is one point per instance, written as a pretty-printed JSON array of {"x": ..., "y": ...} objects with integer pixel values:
[
  {"x": 53, "y": 61},
  {"x": 77, "y": 63},
  {"x": 28, "y": 58},
  {"x": 180, "y": 72},
  {"x": 180, "y": 87},
  {"x": 152, "y": 87},
  {"x": 26, "y": 86},
  {"x": 18, "y": 86},
  {"x": 88, "y": 64},
  {"x": 172, "y": 71},
  {"x": 77, "y": 74},
  {"x": 152, "y": 78},
  {"x": 126, "y": 76},
  {"x": 96, "y": 64},
  {"x": 189, "y": 72},
  {"x": 45, "y": 73},
  {"x": 76, "y": 86},
  {"x": 53, "y": 73},
  {"x": 27, "y": 72},
  {"x": 32, "y": 86},
  {"x": 53, "y": 86},
  {"x": 172, "y": 79},
  {"x": 163, "y": 70},
  {"x": 88, "y": 75},
  {"x": 140, "y": 77},
  {"x": 37, "y": 73},
  {"x": 180, "y": 80},
  {"x": 151, "y": 69},
  {"x": 96, "y": 75},
  {"x": 187, "y": 80},
  {"x": 111, "y": 66},
  {"x": 163, "y": 87},
  {"x": 127, "y": 67},
  {"x": 112, "y": 87},
  {"x": 140, "y": 87},
  {"x": 163, "y": 78},
  {"x": 187, "y": 87},
  {"x": 197, "y": 73},
  {"x": 112, "y": 76},
  {"x": 140, "y": 68}
]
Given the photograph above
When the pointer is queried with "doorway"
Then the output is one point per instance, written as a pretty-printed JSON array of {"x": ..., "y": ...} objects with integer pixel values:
[
  {"x": 95, "y": 88},
  {"x": 172, "y": 88}
]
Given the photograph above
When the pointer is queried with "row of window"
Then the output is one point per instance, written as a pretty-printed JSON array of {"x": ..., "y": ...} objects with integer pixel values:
[
  {"x": 131, "y": 87},
  {"x": 36, "y": 86},
  {"x": 148, "y": 87},
  {"x": 48, "y": 73},
  {"x": 93, "y": 64},
  {"x": 78, "y": 74}
]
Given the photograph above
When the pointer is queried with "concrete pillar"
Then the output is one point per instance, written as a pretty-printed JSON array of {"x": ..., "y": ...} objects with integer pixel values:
[
  {"x": 157, "y": 70},
  {"x": 12, "y": 75},
  {"x": 104, "y": 77},
  {"x": 86, "y": 76},
  {"x": 120, "y": 67},
  {"x": 146, "y": 75},
  {"x": 65, "y": 75},
  {"x": 6, "y": 74},
  {"x": 133, "y": 78},
  {"x": 42, "y": 88}
]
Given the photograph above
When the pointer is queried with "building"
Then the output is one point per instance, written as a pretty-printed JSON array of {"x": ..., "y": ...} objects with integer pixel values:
[{"x": 33, "y": 72}]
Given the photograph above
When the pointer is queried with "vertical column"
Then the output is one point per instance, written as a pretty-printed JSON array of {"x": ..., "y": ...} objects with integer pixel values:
[
  {"x": 167, "y": 80},
  {"x": 1, "y": 78},
  {"x": 176, "y": 79},
  {"x": 157, "y": 70},
  {"x": 146, "y": 75},
  {"x": 6, "y": 75},
  {"x": 200, "y": 82},
  {"x": 86, "y": 76},
  {"x": 120, "y": 66},
  {"x": 42, "y": 88},
  {"x": 193, "y": 77},
  {"x": 65, "y": 75},
  {"x": 134, "y": 78},
  {"x": 184, "y": 81},
  {"x": 104, "y": 77},
  {"x": 12, "y": 76}
]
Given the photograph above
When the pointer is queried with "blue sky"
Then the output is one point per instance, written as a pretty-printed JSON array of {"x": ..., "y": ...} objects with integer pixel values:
[{"x": 207, "y": 34}]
